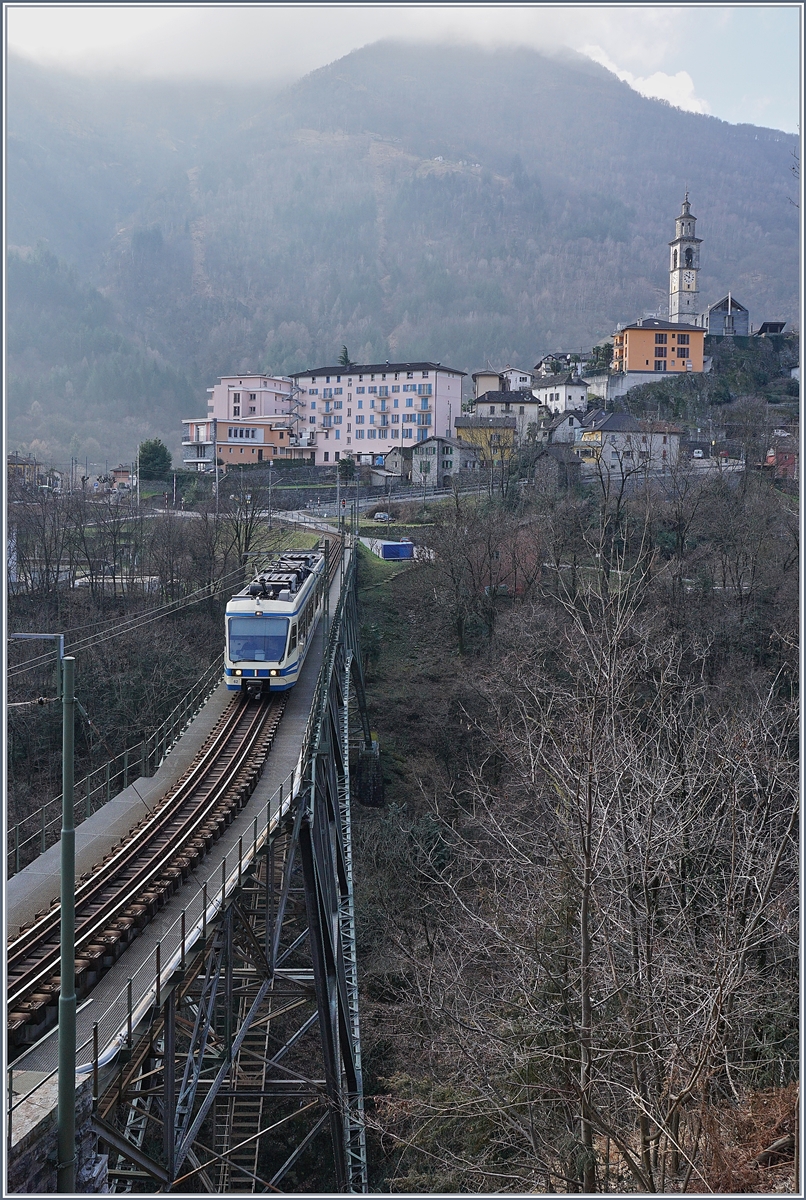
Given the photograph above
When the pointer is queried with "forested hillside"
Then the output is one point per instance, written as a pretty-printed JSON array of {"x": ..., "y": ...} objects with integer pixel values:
[{"x": 442, "y": 203}]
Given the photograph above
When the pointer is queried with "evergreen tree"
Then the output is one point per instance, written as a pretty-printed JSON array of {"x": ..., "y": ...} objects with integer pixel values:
[{"x": 155, "y": 459}]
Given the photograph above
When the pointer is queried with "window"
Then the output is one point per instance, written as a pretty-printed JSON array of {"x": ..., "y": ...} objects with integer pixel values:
[
  {"x": 660, "y": 339},
  {"x": 395, "y": 418},
  {"x": 383, "y": 391},
  {"x": 492, "y": 410},
  {"x": 338, "y": 391},
  {"x": 683, "y": 339},
  {"x": 407, "y": 433},
  {"x": 522, "y": 410},
  {"x": 359, "y": 433},
  {"x": 395, "y": 387},
  {"x": 253, "y": 395},
  {"x": 327, "y": 380},
  {"x": 682, "y": 351},
  {"x": 313, "y": 406},
  {"x": 359, "y": 420},
  {"x": 253, "y": 639},
  {"x": 236, "y": 412},
  {"x": 660, "y": 365},
  {"x": 313, "y": 391},
  {"x": 337, "y": 403},
  {"x": 425, "y": 374},
  {"x": 395, "y": 402},
  {"x": 236, "y": 397},
  {"x": 409, "y": 374},
  {"x": 359, "y": 392},
  {"x": 372, "y": 433},
  {"x": 326, "y": 456},
  {"x": 312, "y": 420},
  {"x": 251, "y": 408},
  {"x": 660, "y": 352},
  {"x": 409, "y": 402},
  {"x": 373, "y": 389}
]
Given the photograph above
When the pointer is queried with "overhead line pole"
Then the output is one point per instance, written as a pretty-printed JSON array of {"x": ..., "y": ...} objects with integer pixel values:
[{"x": 66, "y": 1170}]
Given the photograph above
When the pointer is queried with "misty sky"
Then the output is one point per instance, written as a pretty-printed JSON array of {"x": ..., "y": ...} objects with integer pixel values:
[{"x": 737, "y": 62}]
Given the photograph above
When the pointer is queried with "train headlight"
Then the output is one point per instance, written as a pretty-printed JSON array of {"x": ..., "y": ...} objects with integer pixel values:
[
  {"x": 275, "y": 672},
  {"x": 239, "y": 672}
]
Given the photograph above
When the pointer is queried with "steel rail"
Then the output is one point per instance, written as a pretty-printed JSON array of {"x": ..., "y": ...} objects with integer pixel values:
[
  {"x": 160, "y": 843},
  {"x": 169, "y": 840}
]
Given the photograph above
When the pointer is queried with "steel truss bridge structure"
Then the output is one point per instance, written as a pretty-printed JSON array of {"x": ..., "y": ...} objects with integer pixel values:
[{"x": 242, "y": 1072}]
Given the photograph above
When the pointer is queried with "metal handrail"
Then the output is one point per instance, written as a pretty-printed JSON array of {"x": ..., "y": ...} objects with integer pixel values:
[
  {"x": 114, "y": 1027},
  {"x": 40, "y": 829}
]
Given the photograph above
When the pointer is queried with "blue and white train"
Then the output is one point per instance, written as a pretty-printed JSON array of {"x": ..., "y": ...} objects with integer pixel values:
[{"x": 271, "y": 623}]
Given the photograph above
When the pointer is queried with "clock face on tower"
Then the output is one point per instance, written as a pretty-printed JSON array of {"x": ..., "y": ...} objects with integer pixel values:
[{"x": 688, "y": 278}]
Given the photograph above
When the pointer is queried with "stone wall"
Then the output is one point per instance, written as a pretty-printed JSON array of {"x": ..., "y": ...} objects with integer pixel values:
[{"x": 32, "y": 1161}]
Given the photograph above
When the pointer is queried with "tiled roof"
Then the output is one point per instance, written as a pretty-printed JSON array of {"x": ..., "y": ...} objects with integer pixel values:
[
  {"x": 654, "y": 323},
  {"x": 485, "y": 423},
  {"x": 567, "y": 377},
  {"x": 374, "y": 369}
]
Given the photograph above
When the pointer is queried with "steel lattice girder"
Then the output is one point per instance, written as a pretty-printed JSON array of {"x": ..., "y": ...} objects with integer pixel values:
[{"x": 265, "y": 965}]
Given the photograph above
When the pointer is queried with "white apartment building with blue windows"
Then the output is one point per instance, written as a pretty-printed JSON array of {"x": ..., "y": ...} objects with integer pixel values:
[{"x": 364, "y": 410}]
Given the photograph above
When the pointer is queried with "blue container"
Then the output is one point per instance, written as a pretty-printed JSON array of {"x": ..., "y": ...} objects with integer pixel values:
[{"x": 394, "y": 550}]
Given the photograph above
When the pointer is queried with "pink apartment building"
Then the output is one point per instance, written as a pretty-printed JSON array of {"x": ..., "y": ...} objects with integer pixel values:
[
  {"x": 365, "y": 410},
  {"x": 250, "y": 418}
]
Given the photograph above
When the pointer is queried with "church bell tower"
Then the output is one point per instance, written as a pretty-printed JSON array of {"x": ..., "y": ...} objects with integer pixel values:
[{"x": 684, "y": 267}]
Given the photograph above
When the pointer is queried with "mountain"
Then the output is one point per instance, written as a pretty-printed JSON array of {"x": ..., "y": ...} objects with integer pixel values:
[{"x": 407, "y": 201}]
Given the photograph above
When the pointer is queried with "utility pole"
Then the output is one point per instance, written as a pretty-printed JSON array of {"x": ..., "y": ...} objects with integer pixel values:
[
  {"x": 66, "y": 1169},
  {"x": 66, "y": 1112}
]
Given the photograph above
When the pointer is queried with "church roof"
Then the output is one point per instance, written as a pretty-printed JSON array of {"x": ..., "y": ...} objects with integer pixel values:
[{"x": 723, "y": 305}]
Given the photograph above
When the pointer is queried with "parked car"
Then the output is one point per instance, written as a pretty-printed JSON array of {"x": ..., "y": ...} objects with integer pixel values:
[
  {"x": 382, "y": 516},
  {"x": 697, "y": 454}
]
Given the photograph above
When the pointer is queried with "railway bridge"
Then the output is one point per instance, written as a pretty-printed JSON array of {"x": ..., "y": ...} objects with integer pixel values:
[{"x": 217, "y": 1023}]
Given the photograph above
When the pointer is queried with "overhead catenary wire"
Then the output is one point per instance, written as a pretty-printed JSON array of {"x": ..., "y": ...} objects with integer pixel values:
[{"x": 139, "y": 621}]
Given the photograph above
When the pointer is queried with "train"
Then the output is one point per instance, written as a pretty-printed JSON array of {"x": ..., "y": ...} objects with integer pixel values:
[{"x": 270, "y": 623}]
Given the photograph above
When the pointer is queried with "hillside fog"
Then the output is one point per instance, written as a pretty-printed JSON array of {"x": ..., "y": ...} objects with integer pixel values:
[{"x": 407, "y": 201}]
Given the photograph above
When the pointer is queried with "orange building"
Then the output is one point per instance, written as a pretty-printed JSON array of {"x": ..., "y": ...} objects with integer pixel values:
[{"x": 658, "y": 346}]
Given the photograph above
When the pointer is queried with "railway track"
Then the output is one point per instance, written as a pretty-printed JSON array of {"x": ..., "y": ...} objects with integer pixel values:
[
  {"x": 118, "y": 898},
  {"x": 120, "y": 895}
]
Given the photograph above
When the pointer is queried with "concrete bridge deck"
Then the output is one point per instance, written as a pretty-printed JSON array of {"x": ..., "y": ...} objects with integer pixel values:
[{"x": 36, "y": 885}]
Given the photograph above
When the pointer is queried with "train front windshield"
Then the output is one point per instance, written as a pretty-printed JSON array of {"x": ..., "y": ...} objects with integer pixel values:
[{"x": 257, "y": 639}]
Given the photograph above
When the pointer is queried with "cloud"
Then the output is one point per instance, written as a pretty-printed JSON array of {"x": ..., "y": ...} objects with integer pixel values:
[
  {"x": 272, "y": 41},
  {"x": 677, "y": 89}
]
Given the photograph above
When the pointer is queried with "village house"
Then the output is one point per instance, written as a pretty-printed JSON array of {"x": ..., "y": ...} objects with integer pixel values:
[
  {"x": 23, "y": 470},
  {"x": 621, "y": 443},
  {"x": 511, "y": 379},
  {"x": 522, "y": 405},
  {"x": 437, "y": 460},
  {"x": 494, "y": 438},
  {"x": 561, "y": 393},
  {"x": 564, "y": 428},
  {"x": 783, "y": 457},
  {"x": 556, "y": 469},
  {"x": 398, "y": 462}
]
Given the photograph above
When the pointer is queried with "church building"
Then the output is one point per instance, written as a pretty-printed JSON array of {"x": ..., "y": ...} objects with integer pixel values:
[
  {"x": 684, "y": 267},
  {"x": 726, "y": 318}
]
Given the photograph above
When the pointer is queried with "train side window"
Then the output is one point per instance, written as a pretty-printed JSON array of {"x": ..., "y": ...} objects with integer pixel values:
[{"x": 293, "y": 643}]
